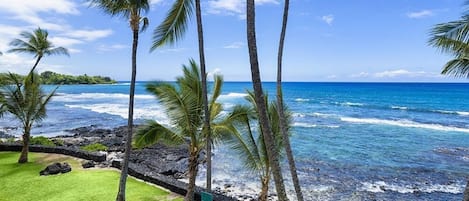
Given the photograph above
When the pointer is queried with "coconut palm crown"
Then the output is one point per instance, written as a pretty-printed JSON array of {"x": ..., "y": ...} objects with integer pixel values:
[
  {"x": 36, "y": 43},
  {"x": 26, "y": 101},
  {"x": 184, "y": 107}
]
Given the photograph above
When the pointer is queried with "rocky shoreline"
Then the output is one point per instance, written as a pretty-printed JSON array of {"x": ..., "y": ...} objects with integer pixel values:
[
  {"x": 161, "y": 159},
  {"x": 157, "y": 160}
]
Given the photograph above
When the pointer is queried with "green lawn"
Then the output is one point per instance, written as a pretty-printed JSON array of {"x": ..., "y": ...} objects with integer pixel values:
[{"x": 22, "y": 182}]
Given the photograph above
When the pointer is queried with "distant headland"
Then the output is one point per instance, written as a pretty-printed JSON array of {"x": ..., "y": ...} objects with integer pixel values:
[{"x": 49, "y": 77}]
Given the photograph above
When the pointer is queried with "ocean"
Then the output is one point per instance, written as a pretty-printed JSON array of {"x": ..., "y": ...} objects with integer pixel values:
[{"x": 352, "y": 141}]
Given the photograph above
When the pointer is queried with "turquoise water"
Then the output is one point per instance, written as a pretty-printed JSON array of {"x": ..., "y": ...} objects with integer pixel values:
[{"x": 352, "y": 141}]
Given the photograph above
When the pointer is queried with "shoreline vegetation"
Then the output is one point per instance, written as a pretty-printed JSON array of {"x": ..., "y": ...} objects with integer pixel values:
[{"x": 53, "y": 78}]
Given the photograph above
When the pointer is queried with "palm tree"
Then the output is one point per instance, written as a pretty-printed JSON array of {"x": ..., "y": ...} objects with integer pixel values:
[
  {"x": 249, "y": 145},
  {"x": 25, "y": 100},
  {"x": 36, "y": 43},
  {"x": 453, "y": 38},
  {"x": 261, "y": 104},
  {"x": 282, "y": 124},
  {"x": 131, "y": 10},
  {"x": 174, "y": 26},
  {"x": 183, "y": 104}
]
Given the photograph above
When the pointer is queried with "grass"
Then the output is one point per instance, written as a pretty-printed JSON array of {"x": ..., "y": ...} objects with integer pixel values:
[
  {"x": 22, "y": 182},
  {"x": 94, "y": 147}
]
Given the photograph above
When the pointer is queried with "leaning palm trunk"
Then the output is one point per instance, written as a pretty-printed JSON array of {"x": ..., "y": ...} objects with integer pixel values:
[
  {"x": 207, "y": 129},
  {"x": 24, "y": 151},
  {"x": 265, "y": 180},
  {"x": 193, "y": 164},
  {"x": 281, "y": 113},
  {"x": 261, "y": 104},
  {"x": 128, "y": 143},
  {"x": 35, "y": 64}
]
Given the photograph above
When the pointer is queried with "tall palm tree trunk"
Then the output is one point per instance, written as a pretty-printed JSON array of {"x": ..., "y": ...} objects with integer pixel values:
[
  {"x": 193, "y": 164},
  {"x": 34, "y": 67},
  {"x": 128, "y": 143},
  {"x": 207, "y": 129},
  {"x": 24, "y": 151},
  {"x": 260, "y": 102},
  {"x": 283, "y": 123},
  {"x": 265, "y": 186},
  {"x": 35, "y": 64}
]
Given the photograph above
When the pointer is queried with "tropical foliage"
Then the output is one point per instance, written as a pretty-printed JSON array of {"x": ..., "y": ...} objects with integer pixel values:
[
  {"x": 248, "y": 142},
  {"x": 453, "y": 38},
  {"x": 37, "y": 44},
  {"x": 183, "y": 104},
  {"x": 27, "y": 102},
  {"x": 171, "y": 30},
  {"x": 49, "y": 77}
]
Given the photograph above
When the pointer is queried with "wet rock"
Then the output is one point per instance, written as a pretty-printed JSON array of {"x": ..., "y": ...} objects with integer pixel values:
[
  {"x": 56, "y": 168},
  {"x": 382, "y": 188}
]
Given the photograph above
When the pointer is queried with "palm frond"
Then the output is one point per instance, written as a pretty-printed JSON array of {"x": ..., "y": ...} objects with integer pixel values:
[
  {"x": 154, "y": 132},
  {"x": 24, "y": 99},
  {"x": 217, "y": 85},
  {"x": 57, "y": 51},
  {"x": 458, "y": 67},
  {"x": 174, "y": 25},
  {"x": 145, "y": 23}
]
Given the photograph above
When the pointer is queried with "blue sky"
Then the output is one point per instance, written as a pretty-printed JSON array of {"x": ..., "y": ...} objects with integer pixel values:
[{"x": 327, "y": 40}]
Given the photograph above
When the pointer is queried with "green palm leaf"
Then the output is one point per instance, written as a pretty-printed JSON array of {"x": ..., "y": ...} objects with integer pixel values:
[{"x": 174, "y": 25}]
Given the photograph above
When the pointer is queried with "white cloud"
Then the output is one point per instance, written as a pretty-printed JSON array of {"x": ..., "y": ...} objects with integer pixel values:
[
  {"x": 215, "y": 71},
  {"x": 108, "y": 48},
  {"x": 64, "y": 41},
  {"x": 396, "y": 74},
  {"x": 360, "y": 75},
  {"x": 28, "y": 11},
  {"x": 172, "y": 50},
  {"x": 235, "y": 45},
  {"x": 233, "y": 7},
  {"x": 328, "y": 19},
  {"x": 420, "y": 14},
  {"x": 89, "y": 35},
  {"x": 332, "y": 77}
]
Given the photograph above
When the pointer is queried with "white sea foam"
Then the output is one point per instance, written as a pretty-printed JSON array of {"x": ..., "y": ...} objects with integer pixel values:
[
  {"x": 352, "y": 104},
  {"x": 302, "y": 100},
  {"x": 399, "y": 107},
  {"x": 232, "y": 96},
  {"x": 87, "y": 96},
  {"x": 381, "y": 186},
  {"x": 304, "y": 125},
  {"x": 307, "y": 125},
  {"x": 461, "y": 113},
  {"x": 153, "y": 112},
  {"x": 323, "y": 115},
  {"x": 403, "y": 123},
  {"x": 298, "y": 115}
]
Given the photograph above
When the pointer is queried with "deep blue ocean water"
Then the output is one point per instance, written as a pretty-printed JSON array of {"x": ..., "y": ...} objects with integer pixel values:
[{"x": 352, "y": 141}]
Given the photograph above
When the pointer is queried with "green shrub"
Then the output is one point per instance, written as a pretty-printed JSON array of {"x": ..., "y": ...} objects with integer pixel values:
[
  {"x": 58, "y": 142},
  {"x": 94, "y": 147},
  {"x": 41, "y": 140},
  {"x": 10, "y": 140}
]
